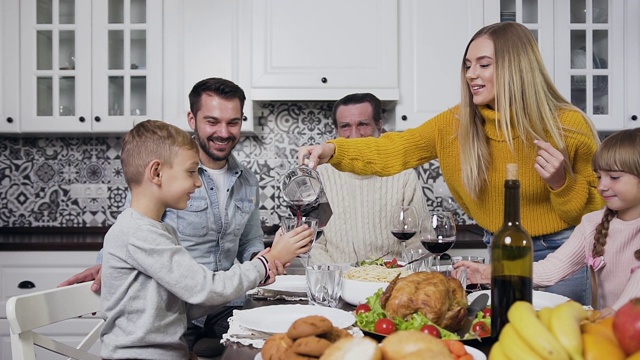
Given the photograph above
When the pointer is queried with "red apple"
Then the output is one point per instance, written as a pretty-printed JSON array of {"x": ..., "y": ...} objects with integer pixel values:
[{"x": 626, "y": 326}]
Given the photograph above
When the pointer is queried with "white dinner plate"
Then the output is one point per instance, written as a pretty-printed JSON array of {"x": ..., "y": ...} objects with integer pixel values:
[
  {"x": 288, "y": 283},
  {"x": 477, "y": 354},
  {"x": 540, "y": 298},
  {"x": 278, "y": 318}
]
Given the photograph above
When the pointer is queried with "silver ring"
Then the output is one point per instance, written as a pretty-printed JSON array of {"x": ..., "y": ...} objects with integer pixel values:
[{"x": 545, "y": 165}]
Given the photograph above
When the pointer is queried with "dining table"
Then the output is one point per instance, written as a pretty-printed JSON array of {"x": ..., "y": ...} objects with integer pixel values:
[{"x": 237, "y": 351}]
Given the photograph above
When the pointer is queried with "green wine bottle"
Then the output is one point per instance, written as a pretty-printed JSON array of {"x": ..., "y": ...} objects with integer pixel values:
[{"x": 511, "y": 257}]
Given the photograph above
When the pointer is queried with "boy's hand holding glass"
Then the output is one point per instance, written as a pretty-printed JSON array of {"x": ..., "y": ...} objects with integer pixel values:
[
  {"x": 288, "y": 245},
  {"x": 293, "y": 222}
]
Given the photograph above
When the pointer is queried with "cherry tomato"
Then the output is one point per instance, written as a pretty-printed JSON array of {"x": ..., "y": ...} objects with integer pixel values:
[
  {"x": 391, "y": 263},
  {"x": 481, "y": 329},
  {"x": 384, "y": 326},
  {"x": 486, "y": 313},
  {"x": 431, "y": 330},
  {"x": 362, "y": 308}
]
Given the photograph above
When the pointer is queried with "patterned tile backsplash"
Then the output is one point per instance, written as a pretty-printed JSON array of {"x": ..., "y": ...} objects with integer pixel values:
[{"x": 37, "y": 174}]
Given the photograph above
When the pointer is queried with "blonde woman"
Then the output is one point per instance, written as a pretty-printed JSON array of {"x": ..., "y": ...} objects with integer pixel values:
[{"x": 510, "y": 112}]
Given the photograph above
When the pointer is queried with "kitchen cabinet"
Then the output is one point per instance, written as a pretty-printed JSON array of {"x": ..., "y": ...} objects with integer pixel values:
[
  {"x": 594, "y": 62},
  {"x": 318, "y": 50},
  {"x": 87, "y": 66},
  {"x": 536, "y": 15},
  {"x": 605, "y": 84},
  {"x": 22, "y": 272},
  {"x": 203, "y": 52},
  {"x": 9, "y": 60},
  {"x": 590, "y": 49},
  {"x": 429, "y": 61}
]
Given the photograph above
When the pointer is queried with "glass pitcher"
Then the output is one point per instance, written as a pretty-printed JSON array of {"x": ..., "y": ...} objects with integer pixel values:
[{"x": 302, "y": 191}]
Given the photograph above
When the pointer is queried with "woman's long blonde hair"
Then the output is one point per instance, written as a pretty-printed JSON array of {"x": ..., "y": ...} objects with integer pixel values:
[
  {"x": 619, "y": 152},
  {"x": 525, "y": 98}
]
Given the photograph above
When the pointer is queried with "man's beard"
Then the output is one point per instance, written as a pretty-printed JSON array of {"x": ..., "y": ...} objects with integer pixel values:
[{"x": 204, "y": 145}]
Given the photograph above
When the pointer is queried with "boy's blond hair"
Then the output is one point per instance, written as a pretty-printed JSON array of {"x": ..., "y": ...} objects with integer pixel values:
[{"x": 151, "y": 140}]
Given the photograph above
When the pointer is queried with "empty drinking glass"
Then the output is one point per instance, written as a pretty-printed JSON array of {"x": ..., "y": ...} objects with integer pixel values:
[
  {"x": 420, "y": 265},
  {"x": 476, "y": 259},
  {"x": 324, "y": 284},
  {"x": 447, "y": 270}
]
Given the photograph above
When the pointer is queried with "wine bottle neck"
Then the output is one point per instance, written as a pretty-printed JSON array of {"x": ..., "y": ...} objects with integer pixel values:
[{"x": 512, "y": 202}]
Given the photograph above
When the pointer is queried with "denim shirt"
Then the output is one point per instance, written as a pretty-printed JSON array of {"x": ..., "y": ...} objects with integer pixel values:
[{"x": 212, "y": 240}]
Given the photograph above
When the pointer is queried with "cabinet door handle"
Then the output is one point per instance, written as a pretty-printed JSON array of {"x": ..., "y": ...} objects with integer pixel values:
[
  {"x": 97, "y": 118},
  {"x": 634, "y": 117},
  {"x": 244, "y": 118},
  {"x": 26, "y": 284},
  {"x": 324, "y": 80},
  {"x": 9, "y": 119},
  {"x": 404, "y": 117},
  {"x": 81, "y": 118}
]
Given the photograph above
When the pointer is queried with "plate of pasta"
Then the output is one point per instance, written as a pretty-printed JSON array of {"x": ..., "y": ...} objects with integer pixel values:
[{"x": 358, "y": 283}]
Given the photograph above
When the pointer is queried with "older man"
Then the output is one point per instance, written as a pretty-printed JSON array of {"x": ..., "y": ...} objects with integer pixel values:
[{"x": 362, "y": 205}]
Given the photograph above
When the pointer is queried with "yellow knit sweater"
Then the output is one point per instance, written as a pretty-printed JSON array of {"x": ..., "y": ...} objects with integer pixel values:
[{"x": 543, "y": 210}]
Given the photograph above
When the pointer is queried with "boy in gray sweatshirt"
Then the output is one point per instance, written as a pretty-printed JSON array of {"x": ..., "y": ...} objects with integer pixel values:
[{"x": 151, "y": 286}]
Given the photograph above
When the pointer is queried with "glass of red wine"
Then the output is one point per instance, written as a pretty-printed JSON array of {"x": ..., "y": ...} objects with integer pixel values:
[
  {"x": 404, "y": 225},
  {"x": 438, "y": 233}
]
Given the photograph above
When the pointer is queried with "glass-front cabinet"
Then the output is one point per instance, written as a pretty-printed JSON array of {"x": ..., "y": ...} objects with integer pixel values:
[
  {"x": 536, "y": 15},
  {"x": 582, "y": 44},
  {"x": 89, "y": 66},
  {"x": 592, "y": 58}
]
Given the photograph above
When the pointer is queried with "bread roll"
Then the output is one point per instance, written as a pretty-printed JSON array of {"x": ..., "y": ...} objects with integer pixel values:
[
  {"x": 309, "y": 326},
  {"x": 351, "y": 348},
  {"x": 311, "y": 346},
  {"x": 276, "y": 346},
  {"x": 413, "y": 344},
  {"x": 335, "y": 334}
]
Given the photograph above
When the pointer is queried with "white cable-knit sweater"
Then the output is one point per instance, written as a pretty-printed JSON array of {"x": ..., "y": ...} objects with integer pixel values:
[
  {"x": 359, "y": 228},
  {"x": 619, "y": 280}
]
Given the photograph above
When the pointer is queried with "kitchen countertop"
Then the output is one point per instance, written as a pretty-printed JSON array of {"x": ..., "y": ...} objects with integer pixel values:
[
  {"x": 51, "y": 239},
  {"x": 90, "y": 238}
]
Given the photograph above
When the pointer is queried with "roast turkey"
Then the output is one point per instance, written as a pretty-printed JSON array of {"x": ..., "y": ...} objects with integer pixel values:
[{"x": 441, "y": 299}]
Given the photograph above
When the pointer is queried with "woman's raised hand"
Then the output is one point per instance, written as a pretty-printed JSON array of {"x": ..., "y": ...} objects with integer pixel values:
[
  {"x": 315, "y": 155},
  {"x": 550, "y": 165}
]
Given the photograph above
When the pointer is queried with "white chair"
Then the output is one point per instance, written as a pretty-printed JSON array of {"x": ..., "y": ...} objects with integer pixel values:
[{"x": 27, "y": 313}]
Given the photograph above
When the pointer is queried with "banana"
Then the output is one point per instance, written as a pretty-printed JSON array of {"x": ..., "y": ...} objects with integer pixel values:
[
  {"x": 565, "y": 326},
  {"x": 544, "y": 315},
  {"x": 496, "y": 352},
  {"x": 525, "y": 321},
  {"x": 514, "y": 346}
]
